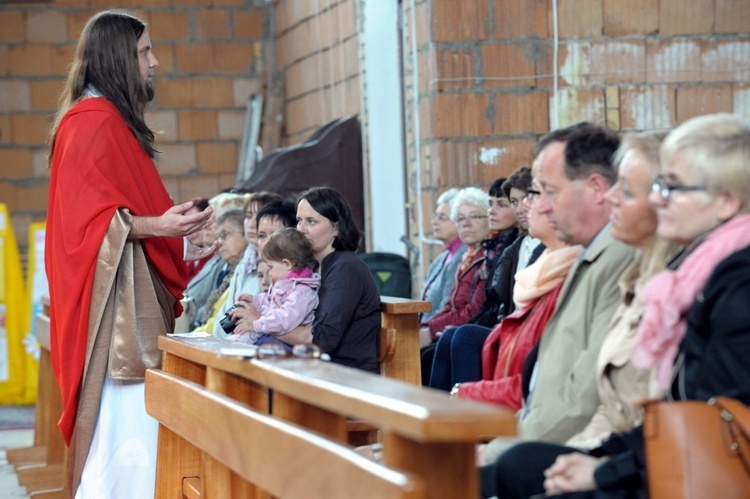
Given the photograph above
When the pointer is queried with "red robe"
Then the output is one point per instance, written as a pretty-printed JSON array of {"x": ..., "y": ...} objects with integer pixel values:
[{"x": 98, "y": 166}]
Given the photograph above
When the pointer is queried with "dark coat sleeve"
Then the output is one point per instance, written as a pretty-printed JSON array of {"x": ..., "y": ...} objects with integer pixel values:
[
  {"x": 715, "y": 361},
  {"x": 498, "y": 287}
]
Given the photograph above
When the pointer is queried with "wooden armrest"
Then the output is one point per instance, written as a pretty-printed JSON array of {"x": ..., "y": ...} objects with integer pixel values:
[
  {"x": 387, "y": 345},
  {"x": 42, "y": 331},
  {"x": 400, "y": 306}
]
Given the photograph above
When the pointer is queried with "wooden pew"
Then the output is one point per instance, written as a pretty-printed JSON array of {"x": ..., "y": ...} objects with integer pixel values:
[
  {"x": 399, "y": 338},
  {"x": 41, "y": 467},
  {"x": 243, "y": 447},
  {"x": 426, "y": 435}
]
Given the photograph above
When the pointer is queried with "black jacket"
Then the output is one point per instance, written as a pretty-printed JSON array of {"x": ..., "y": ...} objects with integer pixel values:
[
  {"x": 498, "y": 301},
  {"x": 714, "y": 359}
]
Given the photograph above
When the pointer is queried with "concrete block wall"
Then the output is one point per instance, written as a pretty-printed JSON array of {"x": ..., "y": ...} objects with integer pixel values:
[
  {"x": 212, "y": 55},
  {"x": 480, "y": 87},
  {"x": 317, "y": 47}
]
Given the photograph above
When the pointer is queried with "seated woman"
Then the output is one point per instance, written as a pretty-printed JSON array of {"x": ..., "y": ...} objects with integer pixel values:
[
  {"x": 267, "y": 219},
  {"x": 695, "y": 327},
  {"x": 347, "y": 320},
  {"x": 535, "y": 294},
  {"x": 462, "y": 346},
  {"x": 231, "y": 235},
  {"x": 469, "y": 211},
  {"x": 620, "y": 384},
  {"x": 443, "y": 268},
  {"x": 213, "y": 272}
]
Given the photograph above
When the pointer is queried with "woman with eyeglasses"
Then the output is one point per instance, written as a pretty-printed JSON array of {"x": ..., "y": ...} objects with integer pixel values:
[
  {"x": 458, "y": 354},
  {"x": 469, "y": 212},
  {"x": 443, "y": 268},
  {"x": 695, "y": 330},
  {"x": 232, "y": 244},
  {"x": 203, "y": 284}
]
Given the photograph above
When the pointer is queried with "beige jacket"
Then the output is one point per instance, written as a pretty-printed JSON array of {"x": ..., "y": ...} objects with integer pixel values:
[
  {"x": 565, "y": 396},
  {"x": 621, "y": 385}
]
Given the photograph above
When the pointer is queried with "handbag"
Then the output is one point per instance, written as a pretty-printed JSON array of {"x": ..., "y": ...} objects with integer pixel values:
[{"x": 697, "y": 449}]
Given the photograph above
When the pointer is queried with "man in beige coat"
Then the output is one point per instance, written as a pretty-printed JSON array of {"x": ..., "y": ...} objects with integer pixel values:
[{"x": 575, "y": 172}]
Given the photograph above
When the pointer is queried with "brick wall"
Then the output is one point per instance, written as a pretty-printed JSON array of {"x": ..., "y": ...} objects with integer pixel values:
[
  {"x": 478, "y": 91},
  {"x": 316, "y": 47},
  {"x": 485, "y": 87},
  {"x": 211, "y": 55}
]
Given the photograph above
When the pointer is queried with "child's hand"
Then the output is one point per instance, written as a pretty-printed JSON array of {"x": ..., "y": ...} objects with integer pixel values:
[
  {"x": 245, "y": 300},
  {"x": 244, "y": 317}
]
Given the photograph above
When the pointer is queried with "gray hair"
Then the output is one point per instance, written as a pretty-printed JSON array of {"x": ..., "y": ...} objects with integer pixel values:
[
  {"x": 447, "y": 196},
  {"x": 470, "y": 195},
  {"x": 716, "y": 150}
]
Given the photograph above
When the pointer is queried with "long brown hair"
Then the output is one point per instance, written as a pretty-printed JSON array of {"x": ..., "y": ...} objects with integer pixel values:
[{"x": 107, "y": 59}]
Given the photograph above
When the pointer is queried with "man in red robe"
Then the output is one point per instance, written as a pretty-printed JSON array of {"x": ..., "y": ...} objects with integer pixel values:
[{"x": 114, "y": 254}]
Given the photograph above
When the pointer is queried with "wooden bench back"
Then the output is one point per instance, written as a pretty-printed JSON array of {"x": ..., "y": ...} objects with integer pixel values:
[
  {"x": 425, "y": 434},
  {"x": 281, "y": 458},
  {"x": 42, "y": 466}
]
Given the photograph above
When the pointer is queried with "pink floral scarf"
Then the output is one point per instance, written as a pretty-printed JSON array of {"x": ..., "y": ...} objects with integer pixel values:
[{"x": 669, "y": 295}]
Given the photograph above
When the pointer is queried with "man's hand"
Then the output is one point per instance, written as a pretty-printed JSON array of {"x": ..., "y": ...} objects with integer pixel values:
[
  {"x": 196, "y": 252},
  {"x": 175, "y": 222}
]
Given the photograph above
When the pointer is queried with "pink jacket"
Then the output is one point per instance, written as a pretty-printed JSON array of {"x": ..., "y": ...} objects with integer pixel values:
[{"x": 288, "y": 304}]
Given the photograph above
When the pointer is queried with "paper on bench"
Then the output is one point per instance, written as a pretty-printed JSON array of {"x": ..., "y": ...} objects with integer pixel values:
[
  {"x": 239, "y": 351},
  {"x": 190, "y": 334}
]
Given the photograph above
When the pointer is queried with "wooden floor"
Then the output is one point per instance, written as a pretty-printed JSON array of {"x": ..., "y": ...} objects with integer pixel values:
[{"x": 11, "y": 439}]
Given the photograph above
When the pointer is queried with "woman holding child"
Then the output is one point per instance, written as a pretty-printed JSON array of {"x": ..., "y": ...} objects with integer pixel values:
[{"x": 347, "y": 317}]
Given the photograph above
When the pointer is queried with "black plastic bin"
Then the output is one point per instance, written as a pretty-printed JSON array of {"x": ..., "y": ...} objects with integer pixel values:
[{"x": 391, "y": 272}]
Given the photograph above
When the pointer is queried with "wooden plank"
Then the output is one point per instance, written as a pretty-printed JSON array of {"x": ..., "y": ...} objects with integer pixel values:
[
  {"x": 403, "y": 361},
  {"x": 41, "y": 477},
  {"x": 237, "y": 388},
  {"x": 281, "y": 458},
  {"x": 448, "y": 469},
  {"x": 328, "y": 423},
  {"x": 191, "y": 488},
  {"x": 400, "y": 306},
  {"x": 42, "y": 465},
  {"x": 51, "y": 494},
  {"x": 25, "y": 456},
  {"x": 415, "y": 412},
  {"x": 176, "y": 459}
]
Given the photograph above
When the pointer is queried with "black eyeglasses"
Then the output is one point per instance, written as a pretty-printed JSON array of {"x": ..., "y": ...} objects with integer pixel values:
[
  {"x": 531, "y": 195},
  {"x": 664, "y": 189}
]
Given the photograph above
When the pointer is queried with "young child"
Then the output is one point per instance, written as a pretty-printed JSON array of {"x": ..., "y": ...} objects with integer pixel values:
[{"x": 293, "y": 296}]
